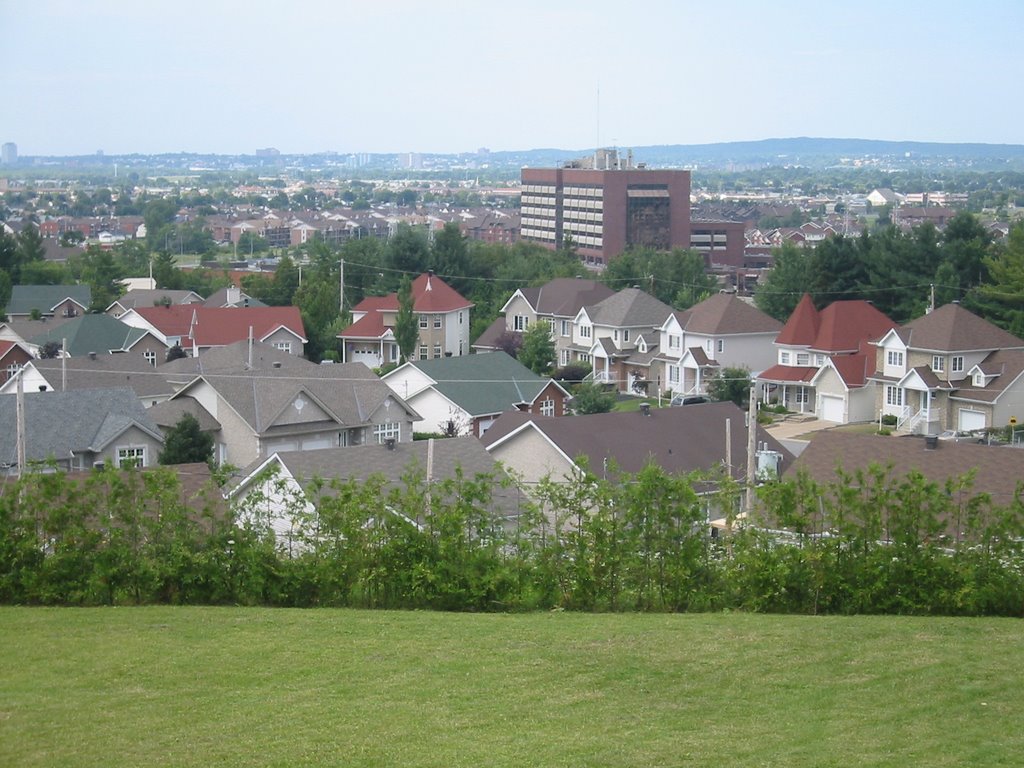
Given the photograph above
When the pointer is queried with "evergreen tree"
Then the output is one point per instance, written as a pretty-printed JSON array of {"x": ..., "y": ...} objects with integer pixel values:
[
  {"x": 788, "y": 280},
  {"x": 406, "y": 328},
  {"x": 186, "y": 443}
]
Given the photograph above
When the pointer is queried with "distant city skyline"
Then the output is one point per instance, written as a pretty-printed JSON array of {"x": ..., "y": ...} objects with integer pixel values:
[{"x": 224, "y": 77}]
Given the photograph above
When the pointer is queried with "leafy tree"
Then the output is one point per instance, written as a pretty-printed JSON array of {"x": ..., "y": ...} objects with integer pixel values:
[
  {"x": 249, "y": 244},
  {"x": 286, "y": 282},
  {"x": 538, "y": 349},
  {"x": 406, "y": 253},
  {"x": 72, "y": 237},
  {"x": 101, "y": 272},
  {"x": 6, "y": 286},
  {"x": 592, "y": 398},
  {"x": 788, "y": 280},
  {"x": 449, "y": 256},
  {"x": 159, "y": 216},
  {"x": 186, "y": 443},
  {"x": 669, "y": 276},
  {"x": 317, "y": 299},
  {"x": 406, "y": 328},
  {"x": 9, "y": 257},
  {"x": 510, "y": 342},
  {"x": 731, "y": 384}
]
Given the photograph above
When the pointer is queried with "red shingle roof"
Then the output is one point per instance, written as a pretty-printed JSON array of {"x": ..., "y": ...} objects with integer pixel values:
[
  {"x": 219, "y": 326},
  {"x": 801, "y": 329},
  {"x": 785, "y": 373},
  {"x": 840, "y": 327}
]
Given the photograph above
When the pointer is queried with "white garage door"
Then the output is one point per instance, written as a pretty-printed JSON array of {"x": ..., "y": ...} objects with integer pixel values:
[
  {"x": 316, "y": 444},
  {"x": 831, "y": 408},
  {"x": 971, "y": 420}
]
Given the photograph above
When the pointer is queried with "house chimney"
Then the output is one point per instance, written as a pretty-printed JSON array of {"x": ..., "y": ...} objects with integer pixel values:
[{"x": 645, "y": 409}]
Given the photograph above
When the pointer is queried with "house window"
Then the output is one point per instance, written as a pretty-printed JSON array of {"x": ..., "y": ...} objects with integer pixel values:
[
  {"x": 393, "y": 352},
  {"x": 423, "y": 351},
  {"x": 284, "y": 346},
  {"x": 674, "y": 342},
  {"x": 615, "y": 335},
  {"x": 150, "y": 356},
  {"x": 958, "y": 364},
  {"x": 625, "y": 335},
  {"x": 132, "y": 456},
  {"x": 819, "y": 359},
  {"x": 566, "y": 327},
  {"x": 12, "y": 369},
  {"x": 721, "y": 345},
  {"x": 584, "y": 357},
  {"x": 709, "y": 345},
  {"x": 784, "y": 358},
  {"x": 437, "y": 350},
  {"x": 563, "y": 357},
  {"x": 423, "y": 321},
  {"x": 673, "y": 374},
  {"x": 803, "y": 358},
  {"x": 584, "y": 331},
  {"x": 894, "y": 395},
  {"x": 547, "y": 407},
  {"x": 437, "y": 321},
  {"x": 520, "y": 323},
  {"x": 389, "y": 430},
  {"x": 979, "y": 380},
  {"x": 938, "y": 363},
  {"x": 894, "y": 357},
  {"x": 460, "y": 318},
  {"x": 801, "y": 396}
]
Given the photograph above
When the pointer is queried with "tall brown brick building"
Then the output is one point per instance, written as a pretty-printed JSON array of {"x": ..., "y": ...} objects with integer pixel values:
[{"x": 605, "y": 204}]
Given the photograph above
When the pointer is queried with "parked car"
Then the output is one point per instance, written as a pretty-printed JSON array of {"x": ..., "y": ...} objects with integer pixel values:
[{"x": 689, "y": 400}]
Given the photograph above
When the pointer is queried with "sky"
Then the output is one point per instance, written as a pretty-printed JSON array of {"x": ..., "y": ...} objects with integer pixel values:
[{"x": 152, "y": 76}]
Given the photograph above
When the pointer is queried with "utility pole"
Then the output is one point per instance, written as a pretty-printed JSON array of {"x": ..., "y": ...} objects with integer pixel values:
[
  {"x": 341, "y": 288},
  {"x": 748, "y": 505},
  {"x": 20, "y": 418}
]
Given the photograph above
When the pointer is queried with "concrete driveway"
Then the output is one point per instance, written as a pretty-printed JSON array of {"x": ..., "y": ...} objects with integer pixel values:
[{"x": 786, "y": 430}]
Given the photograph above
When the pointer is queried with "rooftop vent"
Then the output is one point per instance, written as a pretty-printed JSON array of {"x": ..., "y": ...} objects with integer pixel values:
[
  {"x": 931, "y": 442},
  {"x": 277, "y": 364},
  {"x": 92, "y": 355}
]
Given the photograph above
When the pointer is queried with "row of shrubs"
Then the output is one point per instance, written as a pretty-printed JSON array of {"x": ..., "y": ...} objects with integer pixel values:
[{"x": 869, "y": 543}]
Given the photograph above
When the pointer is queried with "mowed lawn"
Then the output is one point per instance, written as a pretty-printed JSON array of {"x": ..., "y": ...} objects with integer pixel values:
[{"x": 238, "y": 686}]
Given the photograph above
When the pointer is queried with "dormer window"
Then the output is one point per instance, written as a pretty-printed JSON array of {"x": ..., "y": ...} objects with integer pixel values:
[
  {"x": 784, "y": 358},
  {"x": 803, "y": 358},
  {"x": 979, "y": 379}
]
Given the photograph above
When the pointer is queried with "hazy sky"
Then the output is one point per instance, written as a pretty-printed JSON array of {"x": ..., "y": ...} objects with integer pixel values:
[{"x": 303, "y": 76}]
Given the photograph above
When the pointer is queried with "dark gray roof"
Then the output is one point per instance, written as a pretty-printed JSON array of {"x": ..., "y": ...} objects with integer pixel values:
[
  {"x": 106, "y": 372},
  {"x": 145, "y": 297},
  {"x": 169, "y": 413},
  {"x": 234, "y": 358},
  {"x": 682, "y": 439},
  {"x": 59, "y": 423},
  {"x": 350, "y": 392},
  {"x": 483, "y": 384},
  {"x": 565, "y": 296},
  {"x": 630, "y": 308},
  {"x": 25, "y": 298},
  {"x": 359, "y": 463},
  {"x": 92, "y": 333}
]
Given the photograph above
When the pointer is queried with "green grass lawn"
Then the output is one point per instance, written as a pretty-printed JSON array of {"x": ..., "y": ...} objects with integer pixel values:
[{"x": 233, "y": 686}]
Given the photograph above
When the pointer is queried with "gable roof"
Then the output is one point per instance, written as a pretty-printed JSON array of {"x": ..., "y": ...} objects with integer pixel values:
[
  {"x": 348, "y": 392},
  {"x": 234, "y": 358},
  {"x": 951, "y": 328},
  {"x": 25, "y": 298},
  {"x": 483, "y": 384},
  {"x": 678, "y": 439},
  {"x": 146, "y": 297},
  {"x": 105, "y": 372},
  {"x": 219, "y": 326},
  {"x": 801, "y": 327},
  {"x": 430, "y": 294},
  {"x": 92, "y": 333},
  {"x": 629, "y": 308},
  {"x": 723, "y": 313},
  {"x": 565, "y": 296},
  {"x": 998, "y": 468},
  {"x": 1006, "y": 365},
  {"x": 360, "y": 463},
  {"x": 58, "y": 423}
]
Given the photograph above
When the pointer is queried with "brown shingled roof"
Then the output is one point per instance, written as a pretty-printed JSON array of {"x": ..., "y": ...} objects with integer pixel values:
[{"x": 951, "y": 328}]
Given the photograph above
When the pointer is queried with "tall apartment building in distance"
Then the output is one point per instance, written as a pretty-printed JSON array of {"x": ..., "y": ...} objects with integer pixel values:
[
  {"x": 605, "y": 204},
  {"x": 9, "y": 153}
]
